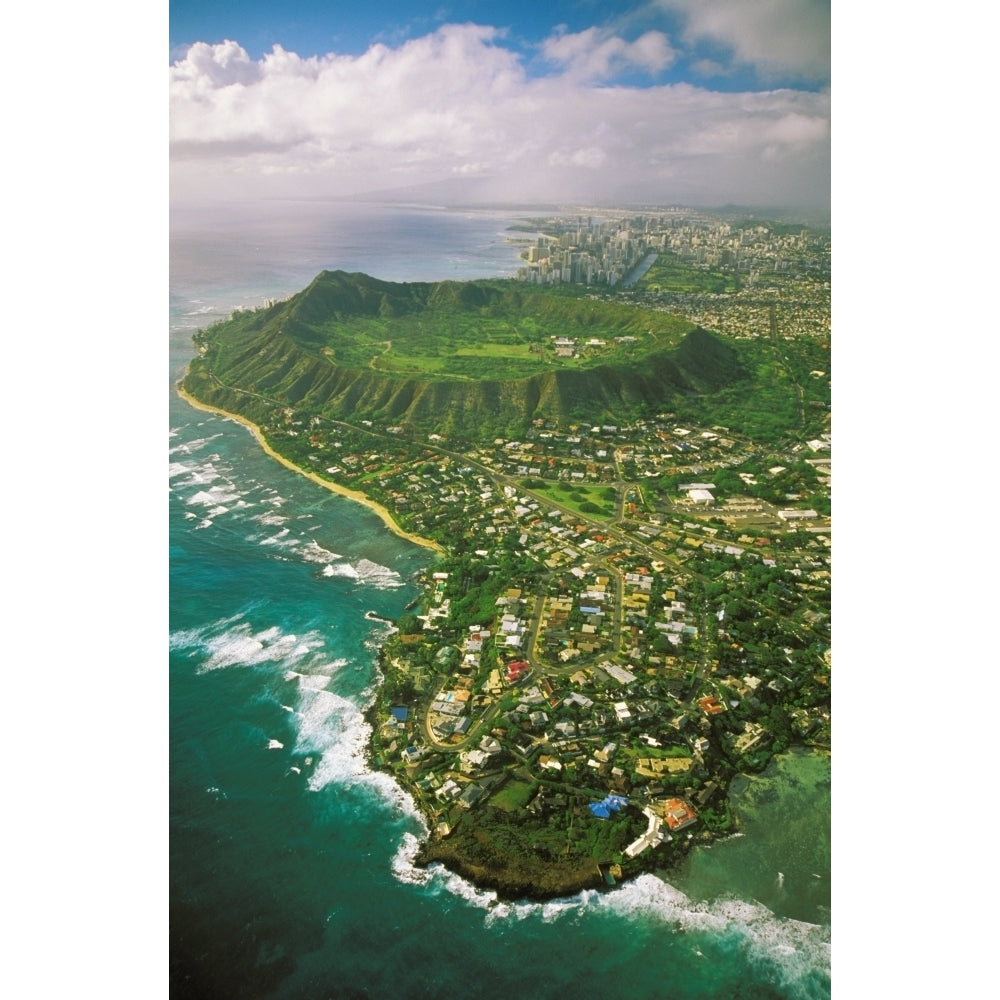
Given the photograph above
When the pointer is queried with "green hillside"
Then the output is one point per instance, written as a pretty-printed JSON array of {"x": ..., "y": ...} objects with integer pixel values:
[{"x": 478, "y": 356}]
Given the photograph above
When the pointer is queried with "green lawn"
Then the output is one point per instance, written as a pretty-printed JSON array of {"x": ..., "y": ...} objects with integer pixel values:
[
  {"x": 513, "y": 796},
  {"x": 587, "y": 500}
]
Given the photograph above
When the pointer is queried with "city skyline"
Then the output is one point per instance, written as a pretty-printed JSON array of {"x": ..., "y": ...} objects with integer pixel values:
[{"x": 660, "y": 102}]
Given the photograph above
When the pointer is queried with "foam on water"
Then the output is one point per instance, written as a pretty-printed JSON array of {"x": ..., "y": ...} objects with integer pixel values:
[
  {"x": 376, "y": 640},
  {"x": 374, "y": 575},
  {"x": 295, "y": 546},
  {"x": 313, "y": 682},
  {"x": 366, "y": 572},
  {"x": 404, "y": 867},
  {"x": 234, "y": 643},
  {"x": 311, "y": 551},
  {"x": 276, "y": 539},
  {"x": 194, "y": 637},
  {"x": 215, "y": 496},
  {"x": 215, "y": 485},
  {"x": 195, "y": 473},
  {"x": 797, "y": 950},
  {"x": 341, "y": 569},
  {"x": 195, "y": 444},
  {"x": 270, "y": 520},
  {"x": 439, "y": 880},
  {"x": 327, "y": 724},
  {"x": 334, "y": 728},
  {"x": 319, "y": 676},
  {"x": 796, "y": 953}
]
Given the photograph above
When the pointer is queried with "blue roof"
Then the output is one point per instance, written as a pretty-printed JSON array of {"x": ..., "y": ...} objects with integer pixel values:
[
  {"x": 609, "y": 803},
  {"x": 401, "y": 713}
]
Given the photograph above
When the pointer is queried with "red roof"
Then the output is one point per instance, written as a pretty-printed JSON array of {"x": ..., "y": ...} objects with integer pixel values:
[
  {"x": 516, "y": 670},
  {"x": 679, "y": 814},
  {"x": 710, "y": 705}
]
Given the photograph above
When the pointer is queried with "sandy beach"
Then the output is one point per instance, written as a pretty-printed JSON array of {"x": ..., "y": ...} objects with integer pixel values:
[{"x": 357, "y": 495}]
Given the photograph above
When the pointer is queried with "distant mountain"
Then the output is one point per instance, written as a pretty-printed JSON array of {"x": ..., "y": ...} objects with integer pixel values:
[{"x": 465, "y": 358}]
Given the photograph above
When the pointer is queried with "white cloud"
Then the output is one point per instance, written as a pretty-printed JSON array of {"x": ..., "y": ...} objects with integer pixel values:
[
  {"x": 597, "y": 54},
  {"x": 208, "y": 66},
  {"x": 457, "y": 104},
  {"x": 776, "y": 37}
]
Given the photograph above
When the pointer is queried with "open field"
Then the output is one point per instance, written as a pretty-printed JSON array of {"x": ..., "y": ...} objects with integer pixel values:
[{"x": 592, "y": 501}]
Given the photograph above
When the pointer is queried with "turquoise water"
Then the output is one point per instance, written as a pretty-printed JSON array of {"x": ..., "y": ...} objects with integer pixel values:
[{"x": 290, "y": 873}]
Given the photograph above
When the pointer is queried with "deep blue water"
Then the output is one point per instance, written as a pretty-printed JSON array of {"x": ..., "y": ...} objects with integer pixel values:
[{"x": 289, "y": 859}]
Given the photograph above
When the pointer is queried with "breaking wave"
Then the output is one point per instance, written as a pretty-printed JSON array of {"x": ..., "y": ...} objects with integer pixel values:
[
  {"x": 366, "y": 572},
  {"x": 796, "y": 954},
  {"x": 195, "y": 444},
  {"x": 234, "y": 642},
  {"x": 269, "y": 519},
  {"x": 215, "y": 496},
  {"x": 210, "y": 490},
  {"x": 326, "y": 724},
  {"x": 335, "y": 728},
  {"x": 312, "y": 551}
]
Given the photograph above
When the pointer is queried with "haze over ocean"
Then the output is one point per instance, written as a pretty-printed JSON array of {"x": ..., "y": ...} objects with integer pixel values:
[{"x": 290, "y": 872}]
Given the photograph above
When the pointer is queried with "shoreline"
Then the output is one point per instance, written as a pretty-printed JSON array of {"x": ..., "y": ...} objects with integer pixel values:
[
  {"x": 510, "y": 876},
  {"x": 344, "y": 491}
]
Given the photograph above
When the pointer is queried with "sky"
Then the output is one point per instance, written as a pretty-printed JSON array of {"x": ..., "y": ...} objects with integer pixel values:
[{"x": 695, "y": 102}]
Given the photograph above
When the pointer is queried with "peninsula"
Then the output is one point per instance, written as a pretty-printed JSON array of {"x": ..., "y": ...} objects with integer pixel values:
[{"x": 628, "y": 604}]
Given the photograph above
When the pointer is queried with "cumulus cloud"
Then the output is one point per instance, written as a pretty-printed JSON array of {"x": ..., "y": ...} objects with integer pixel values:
[
  {"x": 776, "y": 37},
  {"x": 458, "y": 104},
  {"x": 597, "y": 54},
  {"x": 206, "y": 67}
]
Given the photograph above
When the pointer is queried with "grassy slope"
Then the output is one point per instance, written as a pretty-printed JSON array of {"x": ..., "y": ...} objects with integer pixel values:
[
  {"x": 465, "y": 330},
  {"x": 475, "y": 355}
]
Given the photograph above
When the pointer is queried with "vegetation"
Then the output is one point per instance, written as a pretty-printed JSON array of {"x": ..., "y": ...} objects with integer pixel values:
[
  {"x": 672, "y": 276},
  {"x": 594, "y": 501},
  {"x": 450, "y": 329},
  {"x": 570, "y": 548},
  {"x": 554, "y": 850},
  {"x": 779, "y": 401},
  {"x": 477, "y": 358}
]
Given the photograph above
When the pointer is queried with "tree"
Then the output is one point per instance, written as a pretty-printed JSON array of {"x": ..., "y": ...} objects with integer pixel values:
[{"x": 409, "y": 624}]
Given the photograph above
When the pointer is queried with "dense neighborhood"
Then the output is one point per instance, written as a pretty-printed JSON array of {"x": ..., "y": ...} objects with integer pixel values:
[
  {"x": 591, "y": 633},
  {"x": 605, "y": 621}
]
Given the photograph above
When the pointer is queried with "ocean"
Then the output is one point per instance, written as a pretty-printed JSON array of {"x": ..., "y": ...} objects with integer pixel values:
[{"x": 291, "y": 871}]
